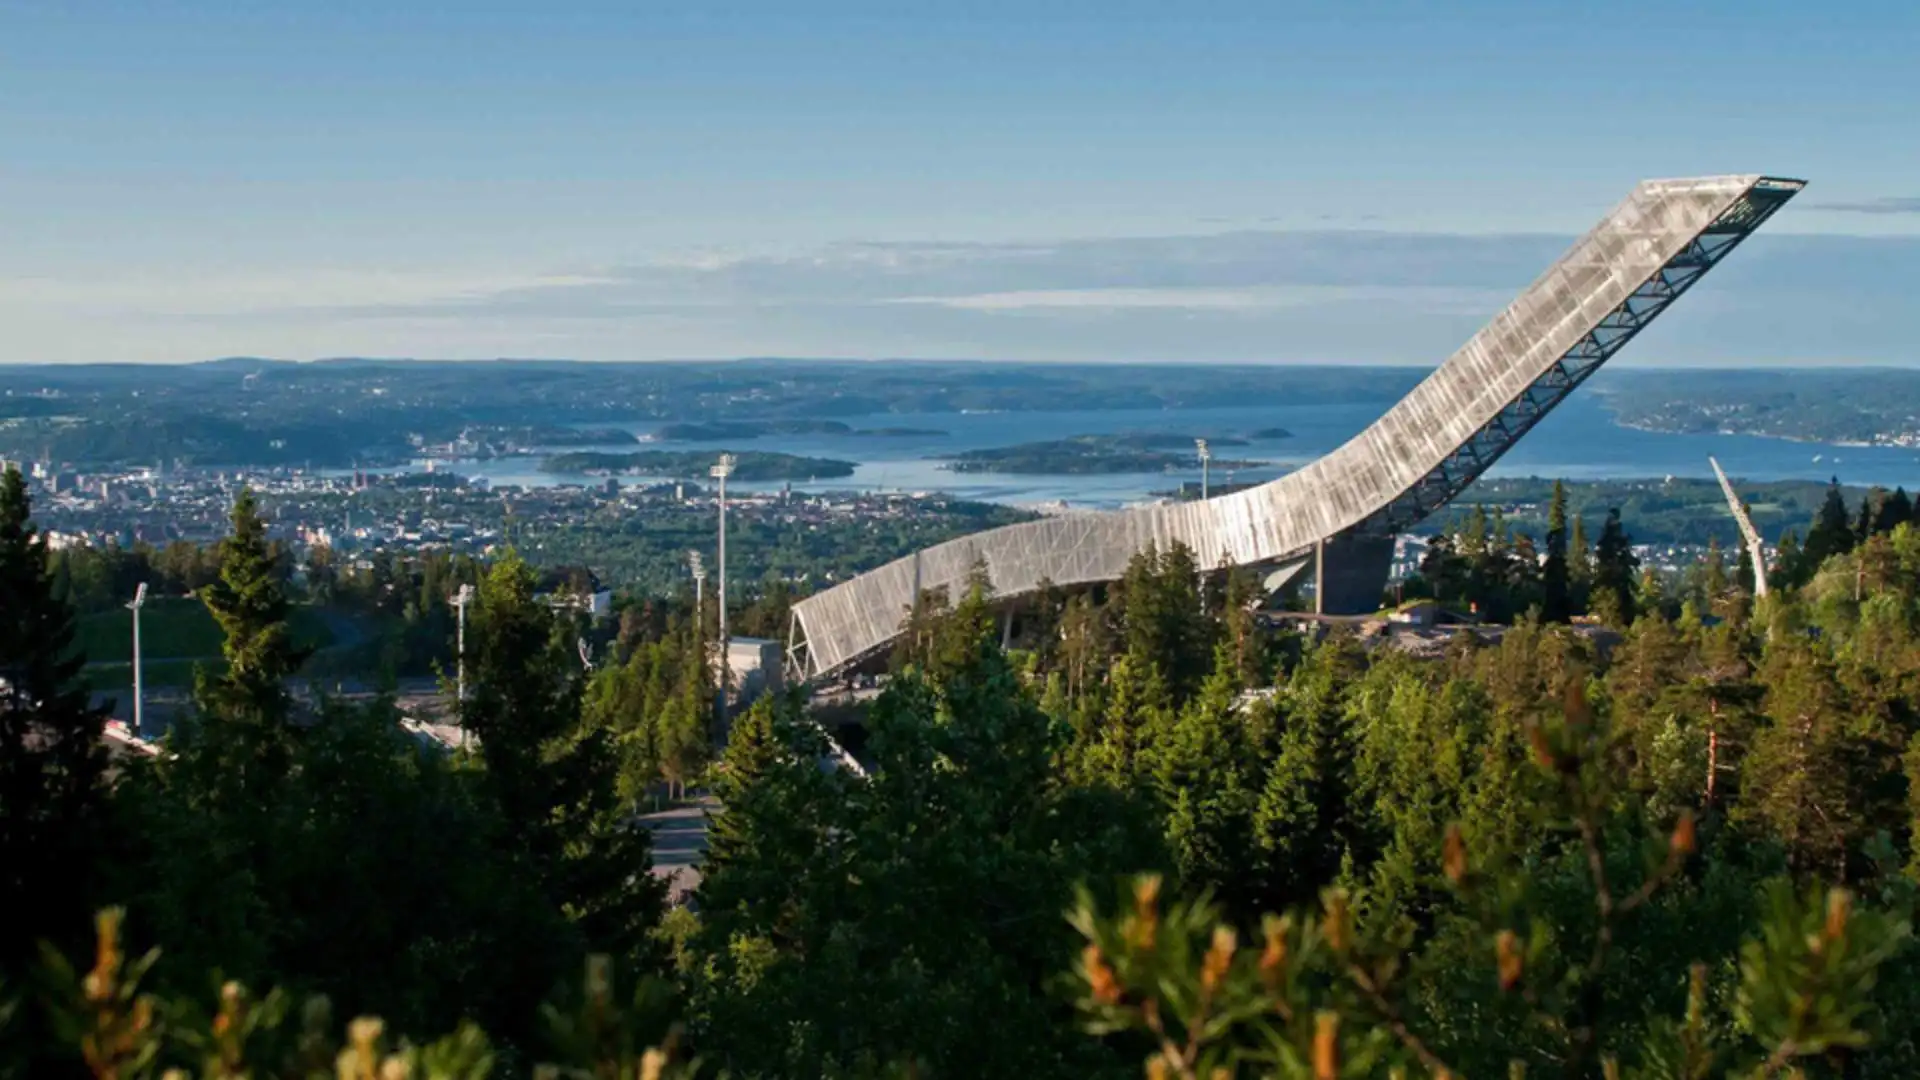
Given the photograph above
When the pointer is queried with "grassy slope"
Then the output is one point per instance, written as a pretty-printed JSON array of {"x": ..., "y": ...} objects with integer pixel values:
[{"x": 175, "y": 633}]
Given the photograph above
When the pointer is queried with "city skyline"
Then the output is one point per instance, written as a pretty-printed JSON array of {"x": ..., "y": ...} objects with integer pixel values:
[{"x": 1234, "y": 183}]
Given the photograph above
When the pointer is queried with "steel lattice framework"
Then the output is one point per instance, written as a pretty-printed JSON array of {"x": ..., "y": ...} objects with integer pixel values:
[{"x": 1421, "y": 453}]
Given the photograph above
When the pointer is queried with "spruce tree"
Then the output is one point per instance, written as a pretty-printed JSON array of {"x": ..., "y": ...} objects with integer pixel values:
[
  {"x": 753, "y": 750},
  {"x": 1579, "y": 565},
  {"x": 1863, "y": 522},
  {"x": 1242, "y": 630},
  {"x": 50, "y": 752},
  {"x": 1208, "y": 775},
  {"x": 555, "y": 778},
  {"x": 1831, "y": 534},
  {"x": 246, "y": 709},
  {"x": 1714, "y": 581},
  {"x": 1474, "y": 539},
  {"x": 1614, "y": 573},
  {"x": 1556, "y": 602},
  {"x": 1897, "y": 510}
]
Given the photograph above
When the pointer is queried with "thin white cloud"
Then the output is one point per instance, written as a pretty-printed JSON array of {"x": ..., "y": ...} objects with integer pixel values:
[
  {"x": 1438, "y": 299},
  {"x": 1322, "y": 296},
  {"x": 238, "y": 294},
  {"x": 1892, "y": 204}
]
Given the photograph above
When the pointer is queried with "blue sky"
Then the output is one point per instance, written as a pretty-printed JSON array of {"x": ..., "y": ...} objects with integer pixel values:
[{"x": 1055, "y": 181}]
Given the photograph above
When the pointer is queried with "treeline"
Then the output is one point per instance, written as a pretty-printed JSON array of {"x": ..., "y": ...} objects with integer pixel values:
[
  {"x": 95, "y": 579},
  {"x": 1691, "y": 855},
  {"x": 1498, "y": 573},
  {"x": 1674, "y": 510},
  {"x": 1485, "y": 564}
]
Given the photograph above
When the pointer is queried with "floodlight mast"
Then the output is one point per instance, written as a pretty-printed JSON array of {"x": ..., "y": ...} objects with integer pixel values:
[
  {"x": 139, "y": 690},
  {"x": 462, "y": 599},
  {"x": 720, "y": 471},
  {"x": 699, "y": 569},
  {"x": 1206, "y": 460}
]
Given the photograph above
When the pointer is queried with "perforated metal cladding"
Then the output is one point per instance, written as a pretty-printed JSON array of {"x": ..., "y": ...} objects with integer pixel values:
[{"x": 1286, "y": 517}]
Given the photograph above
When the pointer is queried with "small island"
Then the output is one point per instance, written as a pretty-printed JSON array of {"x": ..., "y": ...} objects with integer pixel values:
[
  {"x": 751, "y": 465},
  {"x": 590, "y": 436},
  {"x": 901, "y": 432},
  {"x": 1084, "y": 455},
  {"x": 1269, "y": 433}
]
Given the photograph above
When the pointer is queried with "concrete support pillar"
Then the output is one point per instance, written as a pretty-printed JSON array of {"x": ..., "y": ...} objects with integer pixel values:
[{"x": 1350, "y": 574}]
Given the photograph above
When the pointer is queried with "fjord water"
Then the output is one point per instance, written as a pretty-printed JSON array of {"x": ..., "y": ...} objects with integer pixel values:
[{"x": 1578, "y": 441}]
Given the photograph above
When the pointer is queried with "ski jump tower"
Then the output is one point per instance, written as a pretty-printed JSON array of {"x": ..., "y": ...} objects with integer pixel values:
[{"x": 1342, "y": 512}]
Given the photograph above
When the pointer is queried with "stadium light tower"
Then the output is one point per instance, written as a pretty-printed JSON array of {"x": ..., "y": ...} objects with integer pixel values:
[
  {"x": 139, "y": 601},
  {"x": 462, "y": 599},
  {"x": 699, "y": 569},
  {"x": 1206, "y": 460},
  {"x": 721, "y": 470}
]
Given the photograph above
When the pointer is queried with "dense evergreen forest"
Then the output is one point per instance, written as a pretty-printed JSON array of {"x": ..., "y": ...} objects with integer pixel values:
[{"x": 1149, "y": 833}]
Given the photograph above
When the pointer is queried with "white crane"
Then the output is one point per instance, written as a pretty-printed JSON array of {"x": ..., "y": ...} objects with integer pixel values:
[
  {"x": 1206, "y": 460},
  {"x": 1756, "y": 554}
]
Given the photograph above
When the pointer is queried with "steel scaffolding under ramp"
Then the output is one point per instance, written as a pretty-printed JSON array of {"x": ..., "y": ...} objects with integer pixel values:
[{"x": 1344, "y": 509}]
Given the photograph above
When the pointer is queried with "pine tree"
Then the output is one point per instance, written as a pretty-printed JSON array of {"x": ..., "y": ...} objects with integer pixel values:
[
  {"x": 1556, "y": 603},
  {"x": 1714, "y": 582},
  {"x": 1831, "y": 534},
  {"x": 1896, "y": 511},
  {"x": 753, "y": 750},
  {"x": 1812, "y": 774},
  {"x": 249, "y": 601},
  {"x": 1614, "y": 573},
  {"x": 1161, "y": 615},
  {"x": 50, "y": 751},
  {"x": 1789, "y": 564},
  {"x": 1298, "y": 824},
  {"x": 1579, "y": 565},
  {"x": 1475, "y": 539},
  {"x": 1650, "y": 596},
  {"x": 246, "y": 708},
  {"x": 555, "y": 777},
  {"x": 1242, "y": 631},
  {"x": 1208, "y": 775}
]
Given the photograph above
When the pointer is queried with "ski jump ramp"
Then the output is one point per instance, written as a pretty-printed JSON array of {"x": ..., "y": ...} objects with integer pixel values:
[{"x": 1344, "y": 510}]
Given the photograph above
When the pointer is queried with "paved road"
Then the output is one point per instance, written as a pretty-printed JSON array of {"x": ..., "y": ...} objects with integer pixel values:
[{"x": 680, "y": 841}]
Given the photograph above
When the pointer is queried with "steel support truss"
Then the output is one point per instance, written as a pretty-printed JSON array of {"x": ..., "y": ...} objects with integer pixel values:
[{"x": 1477, "y": 454}]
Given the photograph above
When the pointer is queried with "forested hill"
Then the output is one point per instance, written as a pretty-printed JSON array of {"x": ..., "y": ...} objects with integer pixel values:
[
  {"x": 1864, "y": 406},
  {"x": 339, "y": 412},
  {"x": 1690, "y": 853}
]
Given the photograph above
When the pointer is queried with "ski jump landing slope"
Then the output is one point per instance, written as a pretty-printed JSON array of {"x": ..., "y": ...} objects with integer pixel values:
[{"x": 1422, "y": 452}]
